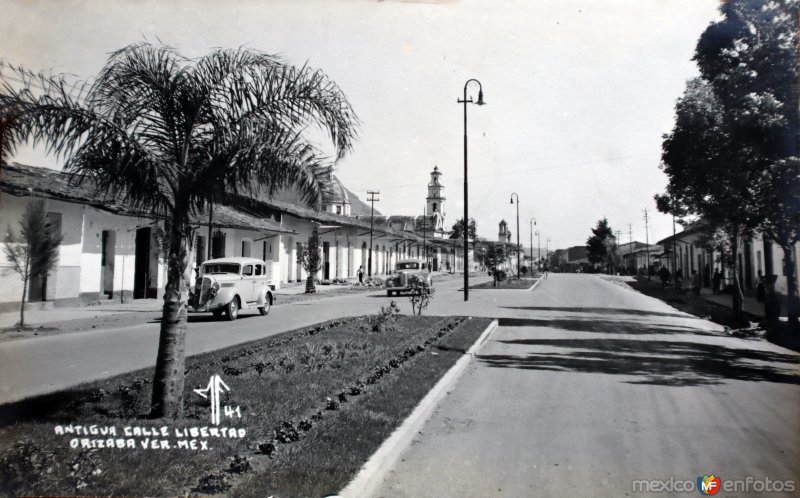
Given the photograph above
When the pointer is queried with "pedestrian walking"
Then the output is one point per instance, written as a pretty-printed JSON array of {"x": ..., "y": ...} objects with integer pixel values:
[
  {"x": 546, "y": 269},
  {"x": 717, "y": 281},
  {"x": 360, "y": 274},
  {"x": 663, "y": 273},
  {"x": 760, "y": 288}
]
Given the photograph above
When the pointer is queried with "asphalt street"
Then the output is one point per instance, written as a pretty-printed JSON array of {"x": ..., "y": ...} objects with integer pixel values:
[
  {"x": 587, "y": 386},
  {"x": 44, "y": 364}
]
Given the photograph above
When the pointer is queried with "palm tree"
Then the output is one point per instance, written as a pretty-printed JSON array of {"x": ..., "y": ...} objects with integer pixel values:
[{"x": 167, "y": 133}]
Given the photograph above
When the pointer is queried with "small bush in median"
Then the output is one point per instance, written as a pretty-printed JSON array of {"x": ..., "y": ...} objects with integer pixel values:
[{"x": 420, "y": 295}]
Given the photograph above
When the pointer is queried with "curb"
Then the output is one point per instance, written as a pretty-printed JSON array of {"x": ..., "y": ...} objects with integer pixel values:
[
  {"x": 535, "y": 285},
  {"x": 372, "y": 472}
]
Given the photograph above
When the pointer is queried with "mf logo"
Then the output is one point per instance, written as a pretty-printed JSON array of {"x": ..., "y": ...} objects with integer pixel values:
[
  {"x": 708, "y": 485},
  {"x": 214, "y": 389}
]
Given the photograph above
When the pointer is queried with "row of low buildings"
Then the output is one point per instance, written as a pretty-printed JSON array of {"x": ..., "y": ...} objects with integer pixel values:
[
  {"x": 686, "y": 252},
  {"x": 110, "y": 252}
]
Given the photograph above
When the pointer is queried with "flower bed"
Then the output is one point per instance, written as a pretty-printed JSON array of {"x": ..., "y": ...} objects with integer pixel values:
[
  {"x": 315, "y": 403},
  {"x": 511, "y": 283}
]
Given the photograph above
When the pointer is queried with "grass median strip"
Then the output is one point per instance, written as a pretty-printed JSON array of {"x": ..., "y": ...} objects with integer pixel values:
[
  {"x": 512, "y": 283},
  {"x": 306, "y": 409}
]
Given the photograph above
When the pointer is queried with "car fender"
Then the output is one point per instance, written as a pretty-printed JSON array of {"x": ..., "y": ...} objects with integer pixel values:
[
  {"x": 225, "y": 295},
  {"x": 266, "y": 297}
]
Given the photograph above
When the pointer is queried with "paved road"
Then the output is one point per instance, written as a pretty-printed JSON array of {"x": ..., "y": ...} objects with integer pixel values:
[
  {"x": 44, "y": 364},
  {"x": 587, "y": 386}
]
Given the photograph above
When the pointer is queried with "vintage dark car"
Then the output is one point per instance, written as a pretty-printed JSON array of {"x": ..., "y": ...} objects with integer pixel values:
[{"x": 404, "y": 270}]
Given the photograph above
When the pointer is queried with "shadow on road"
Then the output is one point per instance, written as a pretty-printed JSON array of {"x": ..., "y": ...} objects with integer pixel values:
[
  {"x": 666, "y": 363},
  {"x": 590, "y": 324},
  {"x": 600, "y": 311}
]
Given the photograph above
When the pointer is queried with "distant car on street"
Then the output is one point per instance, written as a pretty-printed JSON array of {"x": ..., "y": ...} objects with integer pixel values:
[
  {"x": 404, "y": 270},
  {"x": 227, "y": 285}
]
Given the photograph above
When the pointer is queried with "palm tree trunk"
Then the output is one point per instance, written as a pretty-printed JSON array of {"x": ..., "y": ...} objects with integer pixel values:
[{"x": 168, "y": 383}]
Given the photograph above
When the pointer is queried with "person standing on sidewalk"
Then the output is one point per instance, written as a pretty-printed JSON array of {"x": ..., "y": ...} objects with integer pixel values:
[
  {"x": 760, "y": 288},
  {"x": 717, "y": 281},
  {"x": 360, "y": 274}
]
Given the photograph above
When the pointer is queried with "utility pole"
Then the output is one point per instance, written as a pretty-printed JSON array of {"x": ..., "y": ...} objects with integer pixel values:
[
  {"x": 425, "y": 229},
  {"x": 618, "y": 235},
  {"x": 372, "y": 199},
  {"x": 630, "y": 242},
  {"x": 647, "y": 244}
]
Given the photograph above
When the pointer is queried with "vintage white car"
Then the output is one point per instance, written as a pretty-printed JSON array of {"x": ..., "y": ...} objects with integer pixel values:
[
  {"x": 404, "y": 269},
  {"x": 231, "y": 284}
]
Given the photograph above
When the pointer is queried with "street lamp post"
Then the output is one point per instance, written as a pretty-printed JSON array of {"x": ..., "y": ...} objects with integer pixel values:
[
  {"x": 466, "y": 189},
  {"x": 512, "y": 202},
  {"x": 532, "y": 222}
]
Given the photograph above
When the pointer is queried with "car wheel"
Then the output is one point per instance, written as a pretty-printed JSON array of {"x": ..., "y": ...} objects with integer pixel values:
[
  {"x": 264, "y": 310},
  {"x": 232, "y": 309}
]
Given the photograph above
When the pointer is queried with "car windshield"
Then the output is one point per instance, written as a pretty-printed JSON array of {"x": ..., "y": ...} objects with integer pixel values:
[
  {"x": 408, "y": 266},
  {"x": 221, "y": 268}
]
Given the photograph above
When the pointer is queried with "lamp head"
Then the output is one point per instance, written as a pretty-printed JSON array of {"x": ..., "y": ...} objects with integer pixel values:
[
  {"x": 512, "y": 198},
  {"x": 480, "y": 98}
]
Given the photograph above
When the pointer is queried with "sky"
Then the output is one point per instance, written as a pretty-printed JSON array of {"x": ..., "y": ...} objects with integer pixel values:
[{"x": 578, "y": 93}]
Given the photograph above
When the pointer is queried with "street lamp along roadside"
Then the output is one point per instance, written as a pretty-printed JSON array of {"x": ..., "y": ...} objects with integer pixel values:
[
  {"x": 466, "y": 101},
  {"x": 513, "y": 194}
]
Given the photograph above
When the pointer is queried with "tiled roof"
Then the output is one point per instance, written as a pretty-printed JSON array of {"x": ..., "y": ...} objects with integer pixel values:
[{"x": 22, "y": 180}]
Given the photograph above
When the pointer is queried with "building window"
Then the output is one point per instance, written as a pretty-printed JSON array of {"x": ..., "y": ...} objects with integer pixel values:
[
  {"x": 246, "y": 247},
  {"x": 435, "y": 207},
  {"x": 338, "y": 209}
]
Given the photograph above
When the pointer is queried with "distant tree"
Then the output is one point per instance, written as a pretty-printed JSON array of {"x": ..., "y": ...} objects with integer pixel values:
[
  {"x": 35, "y": 252},
  {"x": 310, "y": 257},
  {"x": 458, "y": 229},
  {"x": 601, "y": 246},
  {"x": 494, "y": 256}
]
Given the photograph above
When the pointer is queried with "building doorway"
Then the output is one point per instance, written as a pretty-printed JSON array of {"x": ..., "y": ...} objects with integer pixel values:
[
  {"x": 326, "y": 260},
  {"x": 107, "y": 245},
  {"x": 145, "y": 271}
]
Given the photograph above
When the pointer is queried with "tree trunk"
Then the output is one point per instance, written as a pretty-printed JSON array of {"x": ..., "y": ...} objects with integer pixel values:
[
  {"x": 311, "y": 288},
  {"x": 167, "y": 400},
  {"x": 22, "y": 304},
  {"x": 737, "y": 295},
  {"x": 789, "y": 269},
  {"x": 26, "y": 278}
]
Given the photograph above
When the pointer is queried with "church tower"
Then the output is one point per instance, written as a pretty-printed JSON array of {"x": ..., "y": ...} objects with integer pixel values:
[
  {"x": 436, "y": 198},
  {"x": 504, "y": 235}
]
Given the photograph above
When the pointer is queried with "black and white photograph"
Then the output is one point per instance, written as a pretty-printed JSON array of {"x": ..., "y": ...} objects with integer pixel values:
[{"x": 399, "y": 248}]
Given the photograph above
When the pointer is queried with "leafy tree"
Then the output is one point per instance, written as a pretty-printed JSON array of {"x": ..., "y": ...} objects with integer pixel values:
[
  {"x": 728, "y": 158},
  {"x": 601, "y": 246},
  {"x": 458, "y": 229},
  {"x": 310, "y": 257},
  {"x": 35, "y": 252},
  {"x": 495, "y": 254},
  {"x": 169, "y": 134},
  {"x": 420, "y": 294}
]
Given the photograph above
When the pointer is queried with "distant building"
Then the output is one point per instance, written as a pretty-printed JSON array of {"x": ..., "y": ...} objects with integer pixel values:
[{"x": 504, "y": 234}]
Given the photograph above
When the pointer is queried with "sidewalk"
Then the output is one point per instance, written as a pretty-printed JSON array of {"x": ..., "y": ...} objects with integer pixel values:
[
  {"x": 35, "y": 316},
  {"x": 749, "y": 304}
]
